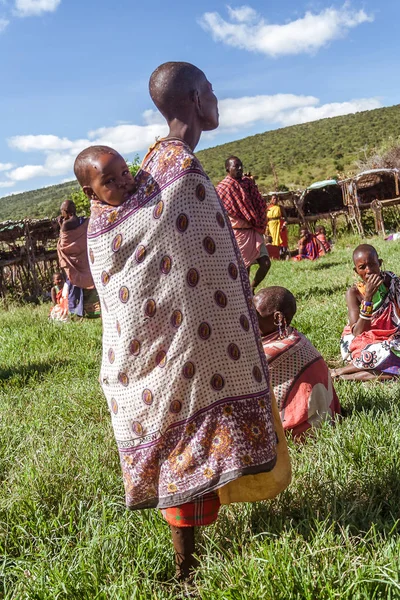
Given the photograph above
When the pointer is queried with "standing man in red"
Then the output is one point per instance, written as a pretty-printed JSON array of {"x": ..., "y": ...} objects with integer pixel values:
[{"x": 246, "y": 209}]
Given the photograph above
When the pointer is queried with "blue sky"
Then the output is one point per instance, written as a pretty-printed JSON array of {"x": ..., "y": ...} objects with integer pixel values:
[{"x": 75, "y": 72}]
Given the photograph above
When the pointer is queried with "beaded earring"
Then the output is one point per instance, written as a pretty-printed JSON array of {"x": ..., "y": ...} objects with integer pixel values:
[{"x": 280, "y": 321}]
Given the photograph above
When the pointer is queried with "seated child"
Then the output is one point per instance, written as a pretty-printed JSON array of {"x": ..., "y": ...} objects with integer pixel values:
[
  {"x": 370, "y": 341},
  {"x": 59, "y": 298},
  {"x": 299, "y": 375},
  {"x": 320, "y": 232},
  {"x": 273, "y": 251},
  {"x": 309, "y": 246}
]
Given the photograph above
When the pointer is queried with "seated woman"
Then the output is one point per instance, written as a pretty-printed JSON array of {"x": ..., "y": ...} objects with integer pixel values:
[
  {"x": 59, "y": 298},
  {"x": 371, "y": 340},
  {"x": 309, "y": 246},
  {"x": 299, "y": 375},
  {"x": 320, "y": 232}
]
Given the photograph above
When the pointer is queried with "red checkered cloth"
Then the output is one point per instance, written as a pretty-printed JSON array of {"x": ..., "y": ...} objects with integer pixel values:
[
  {"x": 242, "y": 200},
  {"x": 202, "y": 511}
]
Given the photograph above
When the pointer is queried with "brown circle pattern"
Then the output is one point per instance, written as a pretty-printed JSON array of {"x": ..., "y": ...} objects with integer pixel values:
[
  {"x": 116, "y": 243},
  {"x": 209, "y": 245},
  {"x": 220, "y": 220},
  {"x": 123, "y": 379},
  {"x": 217, "y": 382},
  {"x": 233, "y": 271},
  {"x": 220, "y": 299},
  {"x": 114, "y": 406},
  {"x": 134, "y": 347},
  {"x": 244, "y": 322},
  {"x": 233, "y": 351},
  {"x": 200, "y": 192},
  {"x": 105, "y": 278},
  {"x": 189, "y": 370},
  {"x": 140, "y": 253},
  {"x": 124, "y": 294},
  {"x": 166, "y": 264},
  {"x": 176, "y": 319},
  {"x": 158, "y": 210},
  {"x": 137, "y": 428},
  {"x": 204, "y": 330},
  {"x": 147, "y": 397},
  {"x": 175, "y": 407},
  {"x": 192, "y": 277},
  {"x": 182, "y": 222},
  {"x": 150, "y": 308},
  {"x": 111, "y": 356},
  {"x": 257, "y": 374},
  {"x": 161, "y": 358}
]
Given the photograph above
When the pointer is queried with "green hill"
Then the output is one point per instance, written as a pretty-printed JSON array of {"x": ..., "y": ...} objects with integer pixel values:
[
  {"x": 299, "y": 154},
  {"x": 44, "y": 202}
]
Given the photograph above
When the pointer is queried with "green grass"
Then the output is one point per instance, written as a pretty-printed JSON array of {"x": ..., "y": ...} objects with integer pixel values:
[{"x": 64, "y": 531}]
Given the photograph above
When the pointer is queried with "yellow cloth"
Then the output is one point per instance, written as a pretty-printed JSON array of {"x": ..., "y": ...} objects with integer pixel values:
[
  {"x": 263, "y": 486},
  {"x": 274, "y": 226}
]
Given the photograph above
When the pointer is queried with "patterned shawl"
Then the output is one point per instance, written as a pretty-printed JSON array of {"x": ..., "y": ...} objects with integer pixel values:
[
  {"x": 378, "y": 348},
  {"x": 301, "y": 382},
  {"x": 183, "y": 368},
  {"x": 242, "y": 200}
]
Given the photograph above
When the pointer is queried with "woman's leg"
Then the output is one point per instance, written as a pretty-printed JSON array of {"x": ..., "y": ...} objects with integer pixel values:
[{"x": 183, "y": 540}]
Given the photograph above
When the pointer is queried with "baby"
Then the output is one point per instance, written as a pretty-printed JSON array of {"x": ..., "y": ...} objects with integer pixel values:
[{"x": 104, "y": 175}]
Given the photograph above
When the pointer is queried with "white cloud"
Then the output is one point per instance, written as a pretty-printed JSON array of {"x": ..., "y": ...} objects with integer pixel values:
[
  {"x": 242, "y": 14},
  {"x": 3, "y": 24},
  {"x": 6, "y": 184},
  {"x": 6, "y": 166},
  {"x": 29, "y": 8},
  {"x": 235, "y": 114},
  {"x": 249, "y": 31},
  {"x": 334, "y": 109}
]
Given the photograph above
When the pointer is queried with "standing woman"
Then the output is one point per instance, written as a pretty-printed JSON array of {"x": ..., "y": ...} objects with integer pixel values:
[{"x": 277, "y": 225}]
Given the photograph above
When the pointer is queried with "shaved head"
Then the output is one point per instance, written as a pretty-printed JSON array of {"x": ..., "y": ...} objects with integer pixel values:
[
  {"x": 365, "y": 249},
  {"x": 85, "y": 160},
  {"x": 275, "y": 299},
  {"x": 172, "y": 86},
  {"x": 69, "y": 207}
]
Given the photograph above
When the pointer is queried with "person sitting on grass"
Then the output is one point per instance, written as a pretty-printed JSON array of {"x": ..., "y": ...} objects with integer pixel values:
[
  {"x": 309, "y": 246},
  {"x": 299, "y": 375},
  {"x": 370, "y": 341},
  {"x": 59, "y": 298},
  {"x": 273, "y": 251},
  {"x": 320, "y": 232}
]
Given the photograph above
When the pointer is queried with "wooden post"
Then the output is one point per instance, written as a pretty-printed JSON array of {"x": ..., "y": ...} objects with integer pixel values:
[{"x": 376, "y": 208}]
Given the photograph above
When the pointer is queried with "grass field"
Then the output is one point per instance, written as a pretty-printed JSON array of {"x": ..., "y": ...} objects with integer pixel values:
[{"x": 64, "y": 531}]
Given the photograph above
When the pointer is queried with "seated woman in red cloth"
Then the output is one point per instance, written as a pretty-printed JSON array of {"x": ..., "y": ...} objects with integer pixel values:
[
  {"x": 370, "y": 341},
  {"x": 320, "y": 232},
  {"x": 309, "y": 246},
  {"x": 299, "y": 375}
]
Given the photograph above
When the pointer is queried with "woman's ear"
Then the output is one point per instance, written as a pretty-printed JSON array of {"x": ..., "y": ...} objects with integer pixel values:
[{"x": 380, "y": 261}]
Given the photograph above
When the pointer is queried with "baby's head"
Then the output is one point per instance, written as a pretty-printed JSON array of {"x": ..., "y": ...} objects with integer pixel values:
[
  {"x": 58, "y": 279},
  {"x": 104, "y": 175},
  {"x": 268, "y": 239},
  {"x": 272, "y": 304},
  {"x": 366, "y": 261}
]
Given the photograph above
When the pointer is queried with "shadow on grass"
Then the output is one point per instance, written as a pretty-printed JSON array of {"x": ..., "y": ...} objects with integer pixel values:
[
  {"x": 368, "y": 396},
  {"x": 31, "y": 371},
  {"x": 357, "y": 507},
  {"x": 326, "y": 265},
  {"x": 327, "y": 290}
]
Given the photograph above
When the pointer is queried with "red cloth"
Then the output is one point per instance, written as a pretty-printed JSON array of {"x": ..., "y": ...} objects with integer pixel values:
[
  {"x": 284, "y": 234},
  {"x": 322, "y": 238},
  {"x": 242, "y": 200},
  {"x": 73, "y": 256},
  {"x": 202, "y": 511},
  {"x": 273, "y": 251},
  {"x": 301, "y": 381},
  {"x": 309, "y": 248}
]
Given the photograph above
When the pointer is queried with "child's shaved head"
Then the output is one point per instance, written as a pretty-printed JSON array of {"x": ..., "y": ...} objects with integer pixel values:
[
  {"x": 365, "y": 249},
  {"x": 275, "y": 299},
  {"x": 85, "y": 160}
]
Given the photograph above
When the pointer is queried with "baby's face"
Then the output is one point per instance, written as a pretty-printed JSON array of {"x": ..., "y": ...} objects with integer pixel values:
[
  {"x": 57, "y": 280},
  {"x": 111, "y": 180}
]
